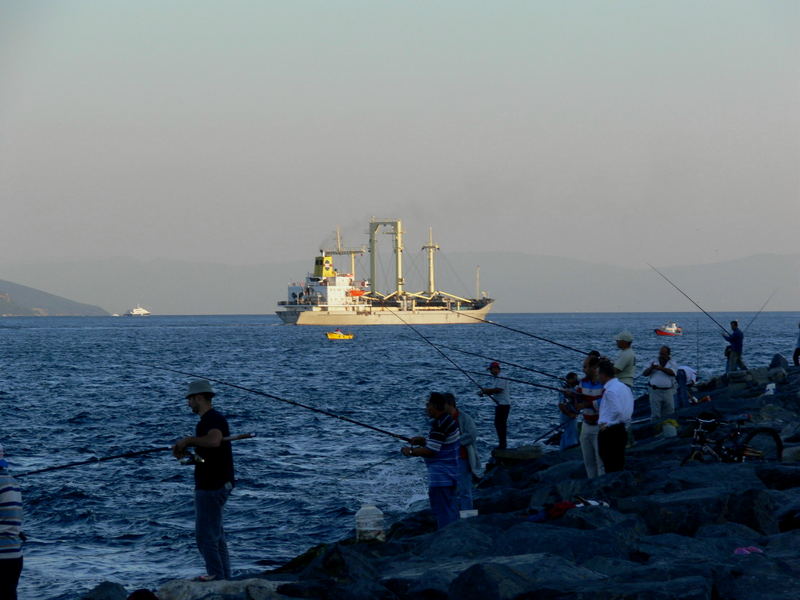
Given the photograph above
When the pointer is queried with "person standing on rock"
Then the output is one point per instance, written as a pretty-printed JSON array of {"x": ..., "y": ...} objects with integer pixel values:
[
  {"x": 616, "y": 409},
  {"x": 213, "y": 477},
  {"x": 661, "y": 372},
  {"x": 11, "y": 536},
  {"x": 468, "y": 462},
  {"x": 590, "y": 392},
  {"x": 734, "y": 352},
  {"x": 568, "y": 412},
  {"x": 625, "y": 365},
  {"x": 440, "y": 451},
  {"x": 796, "y": 355},
  {"x": 499, "y": 394}
]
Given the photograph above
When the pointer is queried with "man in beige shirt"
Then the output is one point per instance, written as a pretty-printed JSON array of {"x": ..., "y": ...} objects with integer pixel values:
[{"x": 625, "y": 365}]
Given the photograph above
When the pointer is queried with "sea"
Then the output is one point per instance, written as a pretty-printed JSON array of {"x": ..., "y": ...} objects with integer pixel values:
[{"x": 76, "y": 389}]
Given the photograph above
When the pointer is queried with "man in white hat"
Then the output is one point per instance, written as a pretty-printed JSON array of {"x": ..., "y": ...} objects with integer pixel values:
[
  {"x": 10, "y": 532},
  {"x": 625, "y": 365},
  {"x": 213, "y": 478}
]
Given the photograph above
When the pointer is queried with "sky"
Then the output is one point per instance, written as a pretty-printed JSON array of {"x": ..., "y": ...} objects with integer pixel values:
[{"x": 244, "y": 132}]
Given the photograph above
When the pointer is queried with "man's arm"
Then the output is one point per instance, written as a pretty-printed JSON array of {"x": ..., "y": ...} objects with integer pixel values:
[{"x": 212, "y": 439}]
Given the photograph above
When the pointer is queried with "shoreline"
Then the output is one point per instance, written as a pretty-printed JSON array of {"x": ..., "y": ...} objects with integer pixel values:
[{"x": 700, "y": 531}]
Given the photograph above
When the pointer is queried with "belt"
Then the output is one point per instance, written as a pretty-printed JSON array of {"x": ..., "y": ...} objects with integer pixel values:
[{"x": 655, "y": 387}]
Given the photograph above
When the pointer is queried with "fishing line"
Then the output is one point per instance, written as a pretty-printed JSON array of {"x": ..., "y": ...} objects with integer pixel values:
[
  {"x": 230, "y": 438},
  {"x": 367, "y": 468},
  {"x": 447, "y": 358},
  {"x": 537, "y": 337},
  {"x": 690, "y": 300},
  {"x": 763, "y": 306},
  {"x": 274, "y": 397},
  {"x": 539, "y": 385},
  {"x": 504, "y": 362}
]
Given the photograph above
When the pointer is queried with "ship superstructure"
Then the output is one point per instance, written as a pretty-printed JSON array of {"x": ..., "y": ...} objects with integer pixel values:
[{"x": 328, "y": 297}]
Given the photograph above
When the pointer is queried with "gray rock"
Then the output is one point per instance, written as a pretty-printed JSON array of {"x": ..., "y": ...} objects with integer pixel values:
[
  {"x": 682, "y": 512},
  {"x": 467, "y": 538},
  {"x": 573, "y": 544},
  {"x": 682, "y": 588},
  {"x": 779, "y": 477},
  {"x": 506, "y": 579},
  {"x": 245, "y": 589},
  {"x": 778, "y": 362},
  {"x": 106, "y": 590}
]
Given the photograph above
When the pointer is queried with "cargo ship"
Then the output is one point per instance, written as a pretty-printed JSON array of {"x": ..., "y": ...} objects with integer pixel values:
[{"x": 330, "y": 298}]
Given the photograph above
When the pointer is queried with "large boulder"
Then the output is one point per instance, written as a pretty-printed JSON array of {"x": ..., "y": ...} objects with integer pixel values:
[
  {"x": 508, "y": 578},
  {"x": 107, "y": 590}
]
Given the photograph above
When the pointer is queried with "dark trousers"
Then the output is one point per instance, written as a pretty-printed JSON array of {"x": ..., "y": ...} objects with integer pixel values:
[
  {"x": 796, "y": 357},
  {"x": 611, "y": 443},
  {"x": 10, "y": 569},
  {"x": 444, "y": 505},
  {"x": 501, "y": 423}
]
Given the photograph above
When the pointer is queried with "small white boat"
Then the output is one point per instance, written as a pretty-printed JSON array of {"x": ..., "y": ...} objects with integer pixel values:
[{"x": 138, "y": 311}]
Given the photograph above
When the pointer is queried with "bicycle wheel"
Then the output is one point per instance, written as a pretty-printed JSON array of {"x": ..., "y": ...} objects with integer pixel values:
[
  {"x": 761, "y": 445},
  {"x": 693, "y": 456}
]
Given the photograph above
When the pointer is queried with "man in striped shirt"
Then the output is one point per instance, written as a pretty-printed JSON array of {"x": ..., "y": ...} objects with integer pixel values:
[
  {"x": 10, "y": 532},
  {"x": 440, "y": 451}
]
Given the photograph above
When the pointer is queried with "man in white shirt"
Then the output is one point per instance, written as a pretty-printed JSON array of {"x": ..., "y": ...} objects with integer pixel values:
[
  {"x": 616, "y": 409},
  {"x": 499, "y": 394},
  {"x": 661, "y": 372}
]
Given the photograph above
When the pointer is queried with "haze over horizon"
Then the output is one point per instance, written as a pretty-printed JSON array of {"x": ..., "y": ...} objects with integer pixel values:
[{"x": 242, "y": 133}]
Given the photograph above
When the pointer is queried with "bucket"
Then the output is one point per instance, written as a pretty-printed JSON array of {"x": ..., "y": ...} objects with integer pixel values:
[{"x": 369, "y": 523}]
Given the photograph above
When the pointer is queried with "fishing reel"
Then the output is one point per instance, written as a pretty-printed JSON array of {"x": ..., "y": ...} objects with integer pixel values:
[{"x": 191, "y": 459}]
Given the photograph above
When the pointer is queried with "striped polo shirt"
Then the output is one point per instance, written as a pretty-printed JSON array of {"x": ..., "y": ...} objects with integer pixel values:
[
  {"x": 444, "y": 438},
  {"x": 10, "y": 516}
]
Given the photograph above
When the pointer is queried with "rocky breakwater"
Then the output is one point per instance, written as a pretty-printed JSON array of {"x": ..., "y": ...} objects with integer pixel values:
[{"x": 658, "y": 530}]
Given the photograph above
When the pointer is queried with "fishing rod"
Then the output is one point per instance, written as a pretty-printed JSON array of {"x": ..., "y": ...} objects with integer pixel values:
[
  {"x": 504, "y": 362},
  {"x": 520, "y": 331},
  {"x": 447, "y": 358},
  {"x": 230, "y": 438},
  {"x": 274, "y": 397},
  {"x": 763, "y": 306},
  {"x": 367, "y": 468},
  {"x": 551, "y": 432},
  {"x": 539, "y": 385},
  {"x": 690, "y": 300}
]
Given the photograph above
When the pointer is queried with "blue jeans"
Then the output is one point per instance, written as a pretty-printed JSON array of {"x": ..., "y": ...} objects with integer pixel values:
[
  {"x": 464, "y": 486},
  {"x": 443, "y": 504},
  {"x": 209, "y": 533}
]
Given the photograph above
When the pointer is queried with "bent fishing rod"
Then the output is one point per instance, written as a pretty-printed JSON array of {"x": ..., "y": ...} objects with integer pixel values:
[
  {"x": 274, "y": 397},
  {"x": 687, "y": 297},
  {"x": 539, "y": 385},
  {"x": 537, "y": 337},
  {"x": 504, "y": 362},
  {"x": 760, "y": 310},
  {"x": 230, "y": 438}
]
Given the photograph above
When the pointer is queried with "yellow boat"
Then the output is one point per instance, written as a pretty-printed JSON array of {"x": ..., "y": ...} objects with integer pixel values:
[{"x": 338, "y": 335}]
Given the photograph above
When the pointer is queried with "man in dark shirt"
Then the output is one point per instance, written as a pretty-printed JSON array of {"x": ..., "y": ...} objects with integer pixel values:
[
  {"x": 213, "y": 478},
  {"x": 736, "y": 341}
]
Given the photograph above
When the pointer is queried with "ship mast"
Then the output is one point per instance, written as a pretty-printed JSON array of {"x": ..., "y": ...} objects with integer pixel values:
[
  {"x": 397, "y": 234},
  {"x": 352, "y": 252},
  {"x": 431, "y": 248}
]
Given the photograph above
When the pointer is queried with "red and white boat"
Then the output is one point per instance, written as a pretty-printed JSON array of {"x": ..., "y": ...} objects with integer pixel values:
[{"x": 670, "y": 329}]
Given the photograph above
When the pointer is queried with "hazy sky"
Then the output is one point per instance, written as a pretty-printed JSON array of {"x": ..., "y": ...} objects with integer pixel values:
[{"x": 243, "y": 132}]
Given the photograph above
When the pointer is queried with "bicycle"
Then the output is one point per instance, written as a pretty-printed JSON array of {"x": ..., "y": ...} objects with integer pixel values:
[{"x": 734, "y": 445}]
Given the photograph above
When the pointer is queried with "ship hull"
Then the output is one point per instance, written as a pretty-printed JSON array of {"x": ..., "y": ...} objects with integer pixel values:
[{"x": 382, "y": 316}]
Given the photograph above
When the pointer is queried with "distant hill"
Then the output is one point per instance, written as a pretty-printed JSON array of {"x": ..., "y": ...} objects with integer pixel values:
[
  {"x": 23, "y": 301},
  {"x": 519, "y": 282}
]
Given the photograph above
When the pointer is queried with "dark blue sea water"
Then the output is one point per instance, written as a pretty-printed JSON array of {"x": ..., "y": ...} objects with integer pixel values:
[{"x": 70, "y": 390}]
